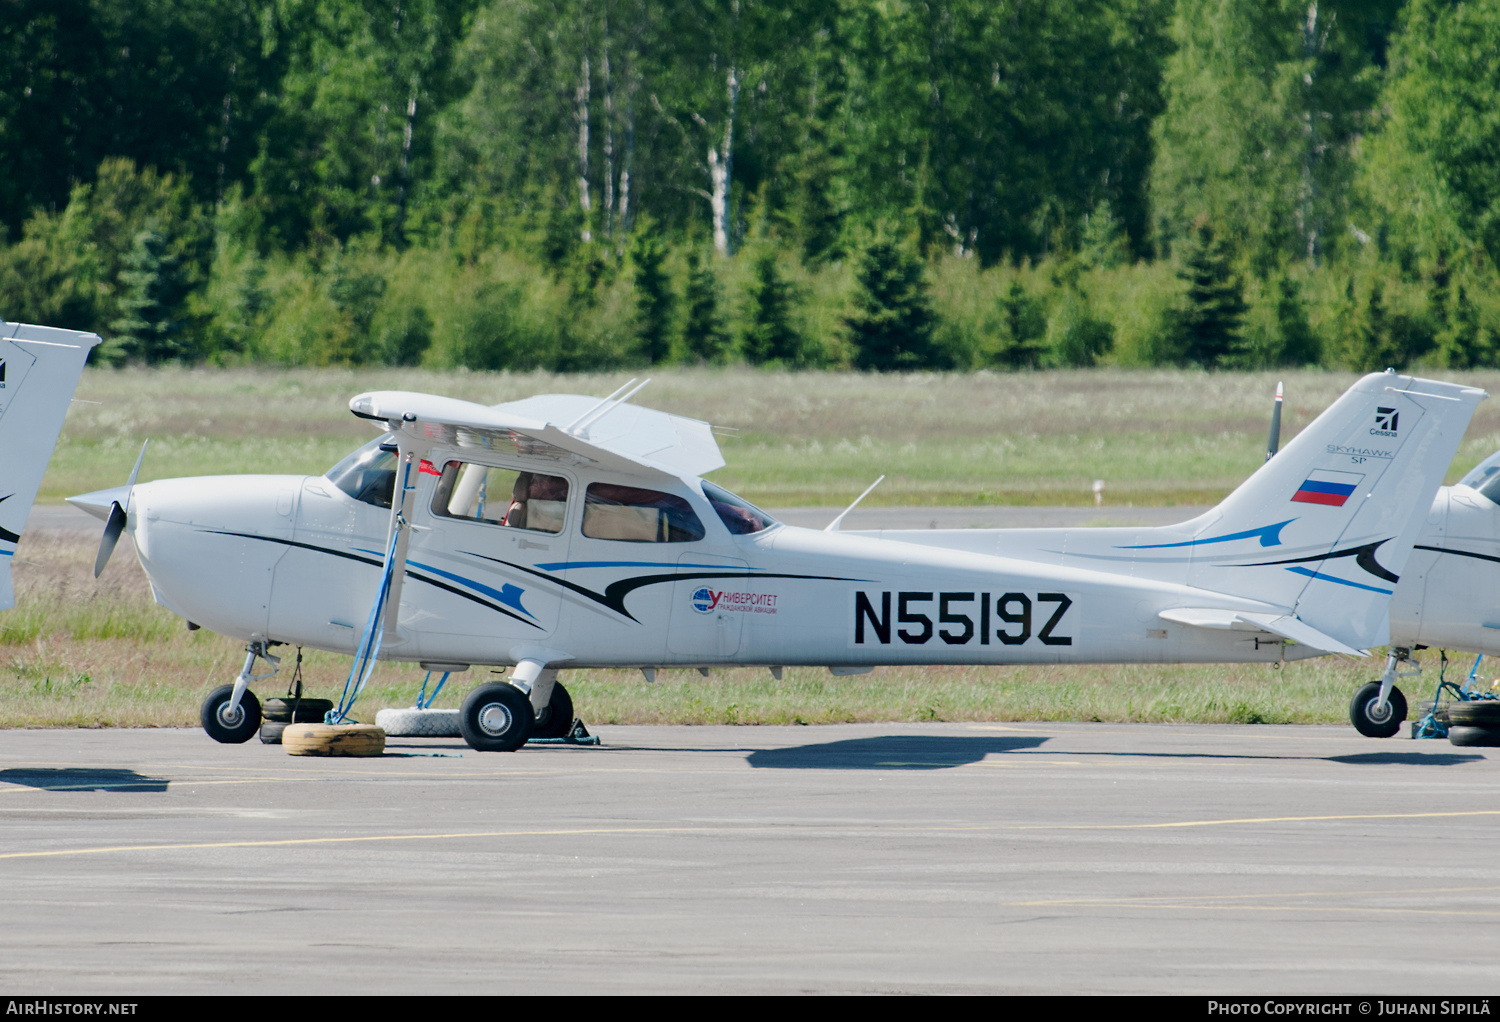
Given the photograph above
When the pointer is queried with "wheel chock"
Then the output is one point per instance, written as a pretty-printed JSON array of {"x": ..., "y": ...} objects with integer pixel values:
[{"x": 577, "y": 735}]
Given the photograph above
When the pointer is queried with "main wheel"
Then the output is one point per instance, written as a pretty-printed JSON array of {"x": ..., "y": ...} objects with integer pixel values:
[
  {"x": 496, "y": 717},
  {"x": 556, "y": 718},
  {"x": 1371, "y": 723},
  {"x": 230, "y": 728}
]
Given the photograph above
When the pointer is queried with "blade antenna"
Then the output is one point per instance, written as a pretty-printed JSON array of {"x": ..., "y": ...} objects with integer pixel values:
[
  {"x": 1273, "y": 441},
  {"x": 833, "y": 526}
]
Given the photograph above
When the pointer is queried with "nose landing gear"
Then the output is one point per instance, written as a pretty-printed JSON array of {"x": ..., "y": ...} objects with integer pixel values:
[{"x": 231, "y": 713}]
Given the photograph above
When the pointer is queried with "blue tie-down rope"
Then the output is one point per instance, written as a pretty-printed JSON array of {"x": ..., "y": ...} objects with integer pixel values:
[
  {"x": 369, "y": 643},
  {"x": 427, "y": 705}
]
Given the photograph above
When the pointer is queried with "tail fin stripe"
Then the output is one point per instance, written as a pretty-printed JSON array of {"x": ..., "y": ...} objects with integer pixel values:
[
  {"x": 1270, "y": 535},
  {"x": 1341, "y": 581}
]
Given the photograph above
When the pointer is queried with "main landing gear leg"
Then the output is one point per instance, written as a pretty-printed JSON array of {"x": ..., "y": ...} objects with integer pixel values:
[{"x": 1377, "y": 709}]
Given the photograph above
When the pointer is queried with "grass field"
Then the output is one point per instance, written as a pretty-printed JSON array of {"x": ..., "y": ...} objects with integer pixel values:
[
  {"x": 1160, "y": 437},
  {"x": 76, "y": 652}
]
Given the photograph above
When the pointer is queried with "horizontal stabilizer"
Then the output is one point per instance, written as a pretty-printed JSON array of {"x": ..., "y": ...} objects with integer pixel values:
[{"x": 1284, "y": 625}]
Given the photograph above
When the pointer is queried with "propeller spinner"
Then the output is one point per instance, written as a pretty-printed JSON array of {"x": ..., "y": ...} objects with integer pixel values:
[{"x": 114, "y": 507}]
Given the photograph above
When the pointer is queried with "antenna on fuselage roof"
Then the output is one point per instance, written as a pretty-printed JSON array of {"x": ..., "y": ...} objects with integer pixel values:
[
  {"x": 833, "y": 526},
  {"x": 603, "y": 408}
]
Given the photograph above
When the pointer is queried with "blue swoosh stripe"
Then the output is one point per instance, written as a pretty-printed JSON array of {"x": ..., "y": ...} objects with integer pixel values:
[
  {"x": 508, "y": 595},
  {"x": 1270, "y": 535},
  {"x": 1341, "y": 581},
  {"x": 564, "y": 565}
]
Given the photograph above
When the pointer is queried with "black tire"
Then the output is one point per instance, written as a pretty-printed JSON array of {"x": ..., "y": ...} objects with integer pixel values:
[
  {"x": 270, "y": 731},
  {"x": 1475, "y": 713},
  {"x": 556, "y": 718},
  {"x": 307, "y": 711},
  {"x": 496, "y": 717},
  {"x": 234, "y": 731},
  {"x": 1482, "y": 737},
  {"x": 1362, "y": 712}
]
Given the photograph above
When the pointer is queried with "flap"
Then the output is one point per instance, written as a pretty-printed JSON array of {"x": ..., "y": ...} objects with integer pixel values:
[{"x": 1285, "y": 625}]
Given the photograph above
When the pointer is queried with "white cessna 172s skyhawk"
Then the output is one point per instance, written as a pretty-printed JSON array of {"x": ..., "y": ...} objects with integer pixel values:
[
  {"x": 39, "y": 370},
  {"x": 563, "y": 531}
]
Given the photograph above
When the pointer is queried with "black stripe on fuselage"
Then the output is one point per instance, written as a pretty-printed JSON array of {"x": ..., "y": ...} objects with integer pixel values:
[
  {"x": 614, "y": 594},
  {"x": 380, "y": 564},
  {"x": 1458, "y": 553}
]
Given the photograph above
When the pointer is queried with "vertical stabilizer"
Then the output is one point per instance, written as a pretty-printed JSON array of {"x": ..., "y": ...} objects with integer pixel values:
[
  {"x": 1325, "y": 527},
  {"x": 39, "y": 369}
]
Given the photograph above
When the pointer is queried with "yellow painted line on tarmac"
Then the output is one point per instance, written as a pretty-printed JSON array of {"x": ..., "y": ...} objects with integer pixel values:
[
  {"x": 284, "y": 842},
  {"x": 1256, "y": 819},
  {"x": 808, "y": 827},
  {"x": 1239, "y": 902}
]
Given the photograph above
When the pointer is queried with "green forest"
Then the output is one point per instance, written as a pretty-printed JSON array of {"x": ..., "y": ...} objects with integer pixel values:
[{"x": 861, "y": 184}]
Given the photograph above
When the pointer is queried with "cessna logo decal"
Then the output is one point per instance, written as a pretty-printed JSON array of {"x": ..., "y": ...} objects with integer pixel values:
[
  {"x": 1015, "y": 615},
  {"x": 1386, "y": 421}
]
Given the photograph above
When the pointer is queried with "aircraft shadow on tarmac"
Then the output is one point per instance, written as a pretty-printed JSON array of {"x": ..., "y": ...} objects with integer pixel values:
[
  {"x": 891, "y": 752},
  {"x": 81, "y": 779},
  {"x": 1409, "y": 758}
]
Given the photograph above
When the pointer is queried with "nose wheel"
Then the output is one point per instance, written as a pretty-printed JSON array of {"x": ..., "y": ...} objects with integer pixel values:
[{"x": 227, "y": 722}]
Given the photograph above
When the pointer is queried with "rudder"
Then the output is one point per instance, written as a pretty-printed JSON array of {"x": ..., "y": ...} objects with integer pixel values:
[{"x": 39, "y": 370}]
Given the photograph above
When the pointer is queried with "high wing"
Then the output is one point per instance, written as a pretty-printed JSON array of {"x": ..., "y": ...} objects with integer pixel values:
[{"x": 567, "y": 428}]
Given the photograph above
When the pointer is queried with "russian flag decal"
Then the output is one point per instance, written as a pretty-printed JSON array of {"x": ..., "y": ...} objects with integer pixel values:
[{"x": 1325, "y": 487}]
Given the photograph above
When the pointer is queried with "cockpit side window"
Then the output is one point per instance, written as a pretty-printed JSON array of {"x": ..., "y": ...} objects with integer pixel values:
[
  {"x": 739, "y": 516},
  {"x": 368, "y": 475},
  {"x": 501, "y": 496},
  {"x": 636, "y": 515}
]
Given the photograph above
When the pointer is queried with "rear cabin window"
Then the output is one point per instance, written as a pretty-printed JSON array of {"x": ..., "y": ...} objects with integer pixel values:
[
  {"x": 635, "y": 515},
  {"x": 501, "y": 496},
  {"x": 368, "y": 475}
]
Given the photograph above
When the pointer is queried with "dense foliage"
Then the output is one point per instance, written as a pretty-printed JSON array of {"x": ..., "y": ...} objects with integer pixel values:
[{"x": 574, "y": 184}]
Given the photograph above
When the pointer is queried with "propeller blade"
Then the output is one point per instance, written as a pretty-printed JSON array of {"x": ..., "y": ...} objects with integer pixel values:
[
  {"x": 112, "y": 530},
  {"x": 130, "y": 483},
  {"x": 117, "y": 518}
]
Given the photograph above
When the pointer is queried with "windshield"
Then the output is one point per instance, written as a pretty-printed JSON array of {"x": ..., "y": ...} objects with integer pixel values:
[
  {"x": 739, "y": 516},
  {"x": 1485, "y": 477},
  {"x": 368, "y": 475}
]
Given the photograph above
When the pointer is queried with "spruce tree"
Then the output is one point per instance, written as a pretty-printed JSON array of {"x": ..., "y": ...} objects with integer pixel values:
[
  {"x": 150, "y": 327},
  {"x": 892, "y": 322},
  {"x": 770, "y": 336},
  {"x": 1209, "y": 325},
  {"x": 1023, "y": 330},
  {"x": 653, "y": 296},
  {"x": 703, "y": 333}
]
